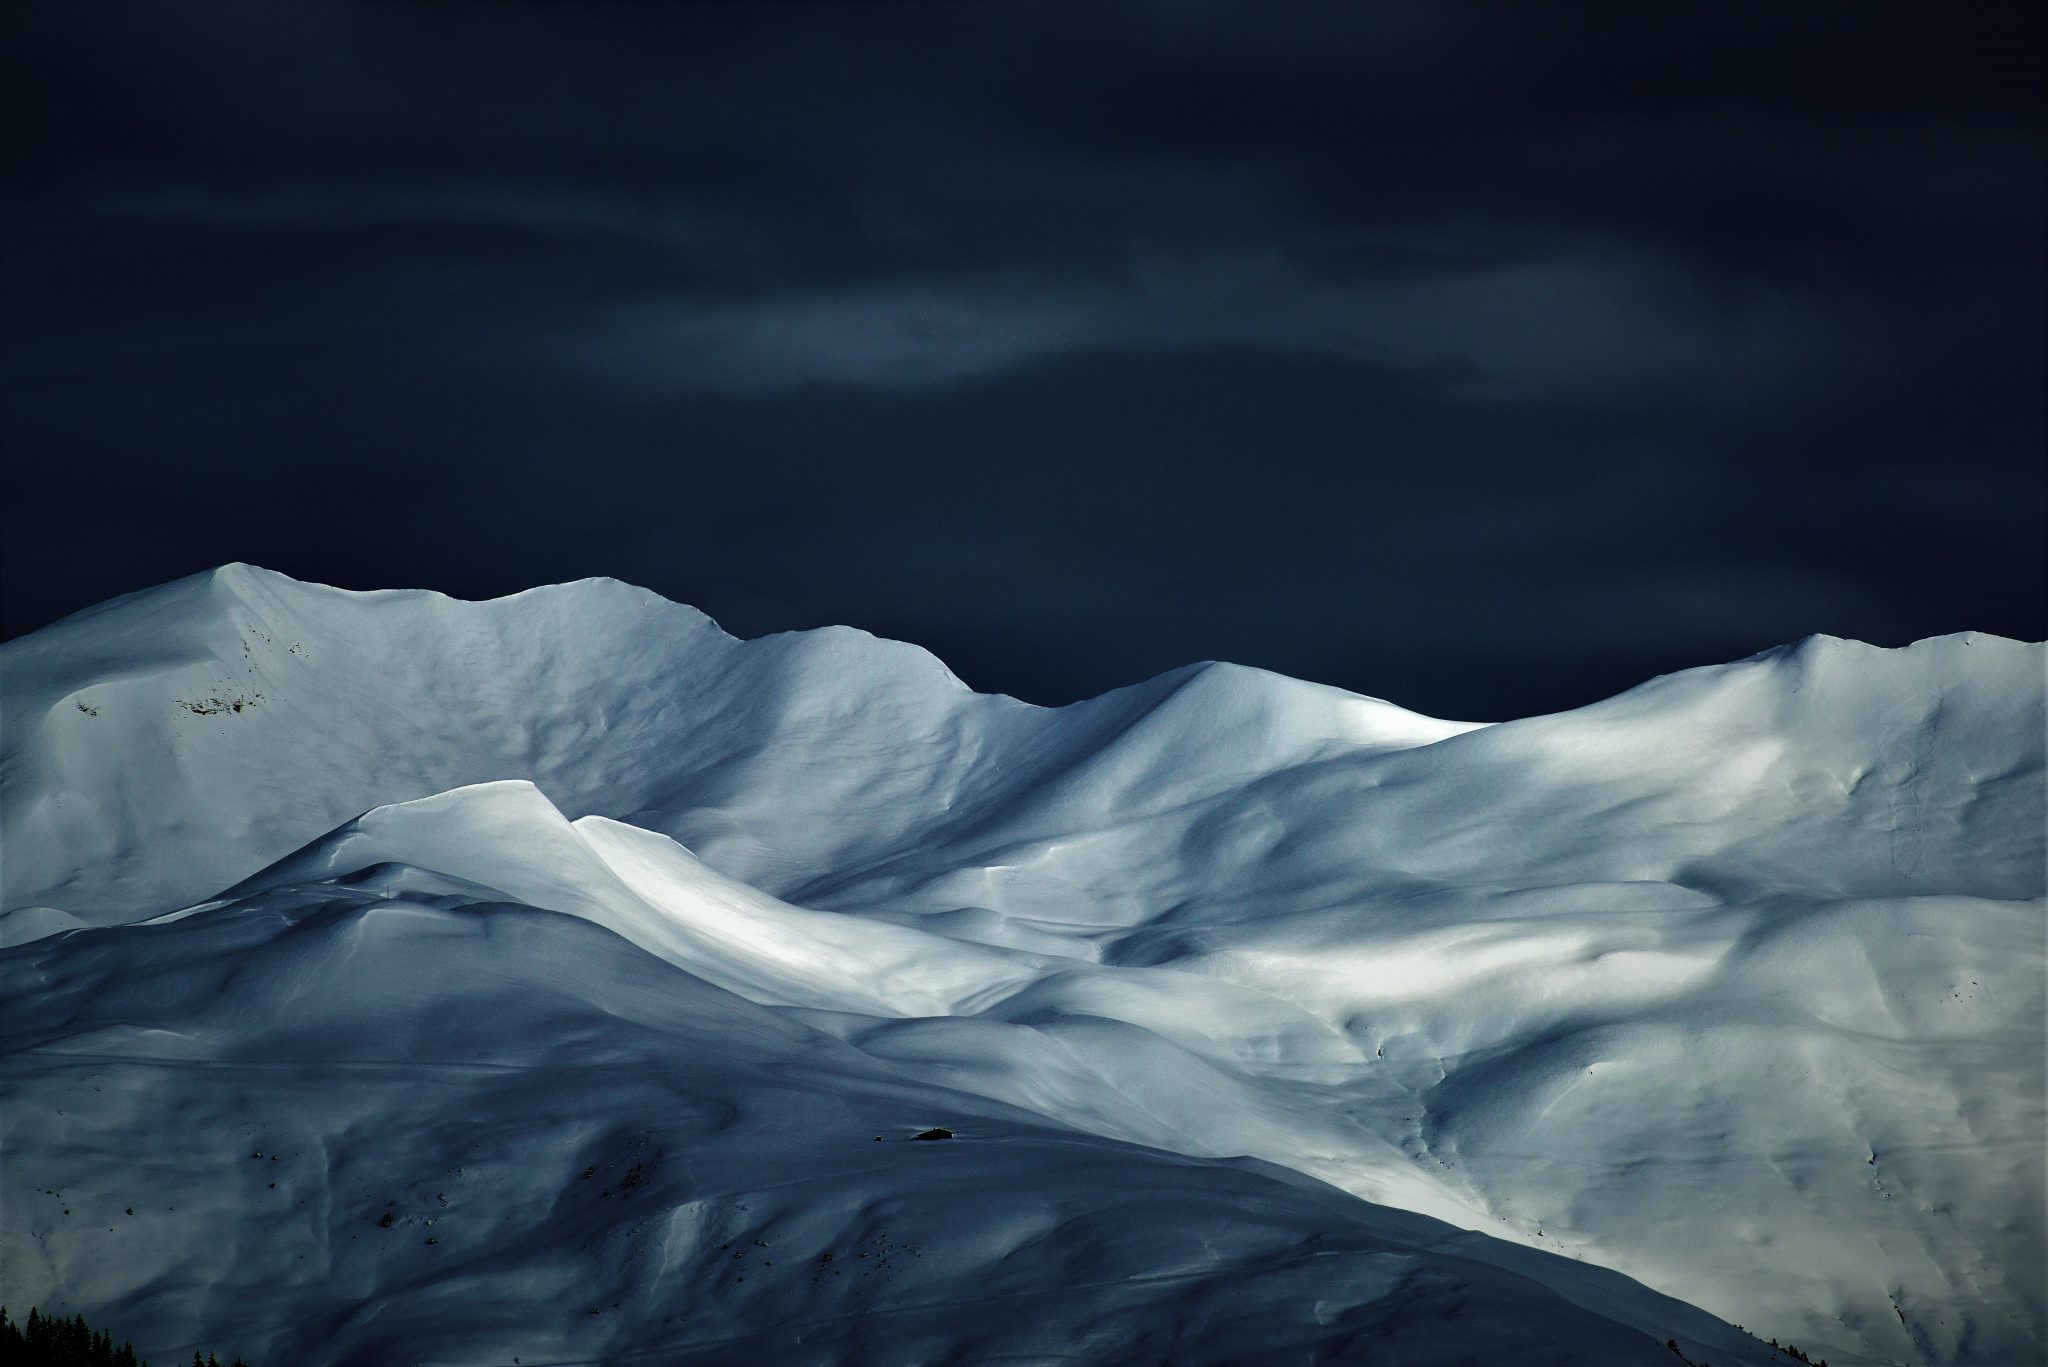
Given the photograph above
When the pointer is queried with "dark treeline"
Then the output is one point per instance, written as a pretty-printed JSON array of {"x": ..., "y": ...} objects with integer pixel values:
[{"x": 48, "y": 1341}]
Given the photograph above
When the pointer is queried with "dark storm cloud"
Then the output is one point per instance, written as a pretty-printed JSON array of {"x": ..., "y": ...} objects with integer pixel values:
[{"x": 1488, "y": 357}]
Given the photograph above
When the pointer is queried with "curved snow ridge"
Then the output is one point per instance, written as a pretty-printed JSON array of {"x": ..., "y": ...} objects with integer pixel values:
[
  {"x": 778, "y": 954},
  {"x": 504, "y": 835},
  {"x": 507, "y": 837}
]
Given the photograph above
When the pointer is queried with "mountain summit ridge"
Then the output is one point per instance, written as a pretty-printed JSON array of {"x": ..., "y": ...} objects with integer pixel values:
[{"x": 1755, "y": 948}]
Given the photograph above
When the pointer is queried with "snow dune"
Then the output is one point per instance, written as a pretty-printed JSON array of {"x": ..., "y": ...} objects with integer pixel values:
[{"x": 1240, "y": 992}]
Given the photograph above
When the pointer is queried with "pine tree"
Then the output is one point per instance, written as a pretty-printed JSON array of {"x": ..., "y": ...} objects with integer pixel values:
[{"x": 53, "y": 1341}]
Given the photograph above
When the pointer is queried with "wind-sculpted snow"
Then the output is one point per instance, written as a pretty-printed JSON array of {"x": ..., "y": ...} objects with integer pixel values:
[{"x": 1732, "y": 984}]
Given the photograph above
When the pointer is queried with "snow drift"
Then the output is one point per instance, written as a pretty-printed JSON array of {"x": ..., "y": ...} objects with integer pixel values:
[{"x": 1275, "y": 1023}]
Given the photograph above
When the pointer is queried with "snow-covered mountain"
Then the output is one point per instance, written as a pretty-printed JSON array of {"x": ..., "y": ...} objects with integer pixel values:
[{"x": 596, "y": 949}]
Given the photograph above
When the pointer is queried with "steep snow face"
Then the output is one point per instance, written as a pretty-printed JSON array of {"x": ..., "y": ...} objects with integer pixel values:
[{"x": 1732, "y": 983}]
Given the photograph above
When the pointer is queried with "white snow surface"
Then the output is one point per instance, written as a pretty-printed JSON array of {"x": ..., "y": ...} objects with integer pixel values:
[{"x": 1275, "y": 1023}]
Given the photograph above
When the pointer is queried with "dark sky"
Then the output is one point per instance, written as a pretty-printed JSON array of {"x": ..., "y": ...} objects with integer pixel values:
[{"x": 1486, "y": 357}]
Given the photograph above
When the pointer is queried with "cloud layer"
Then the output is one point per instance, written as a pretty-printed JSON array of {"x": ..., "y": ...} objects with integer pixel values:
[{"x": 1486, "y": 357}]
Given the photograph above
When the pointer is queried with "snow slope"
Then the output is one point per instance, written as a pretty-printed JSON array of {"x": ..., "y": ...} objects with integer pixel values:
[
  {"x": 622, "y": 1154},
  {"x": 1732, "y": 984}
]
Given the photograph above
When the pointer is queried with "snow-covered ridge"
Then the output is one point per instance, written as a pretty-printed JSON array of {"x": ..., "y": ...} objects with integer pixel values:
[
  {"x": 231, "y": 688},
  {"x": 1753, "y": 951}
]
